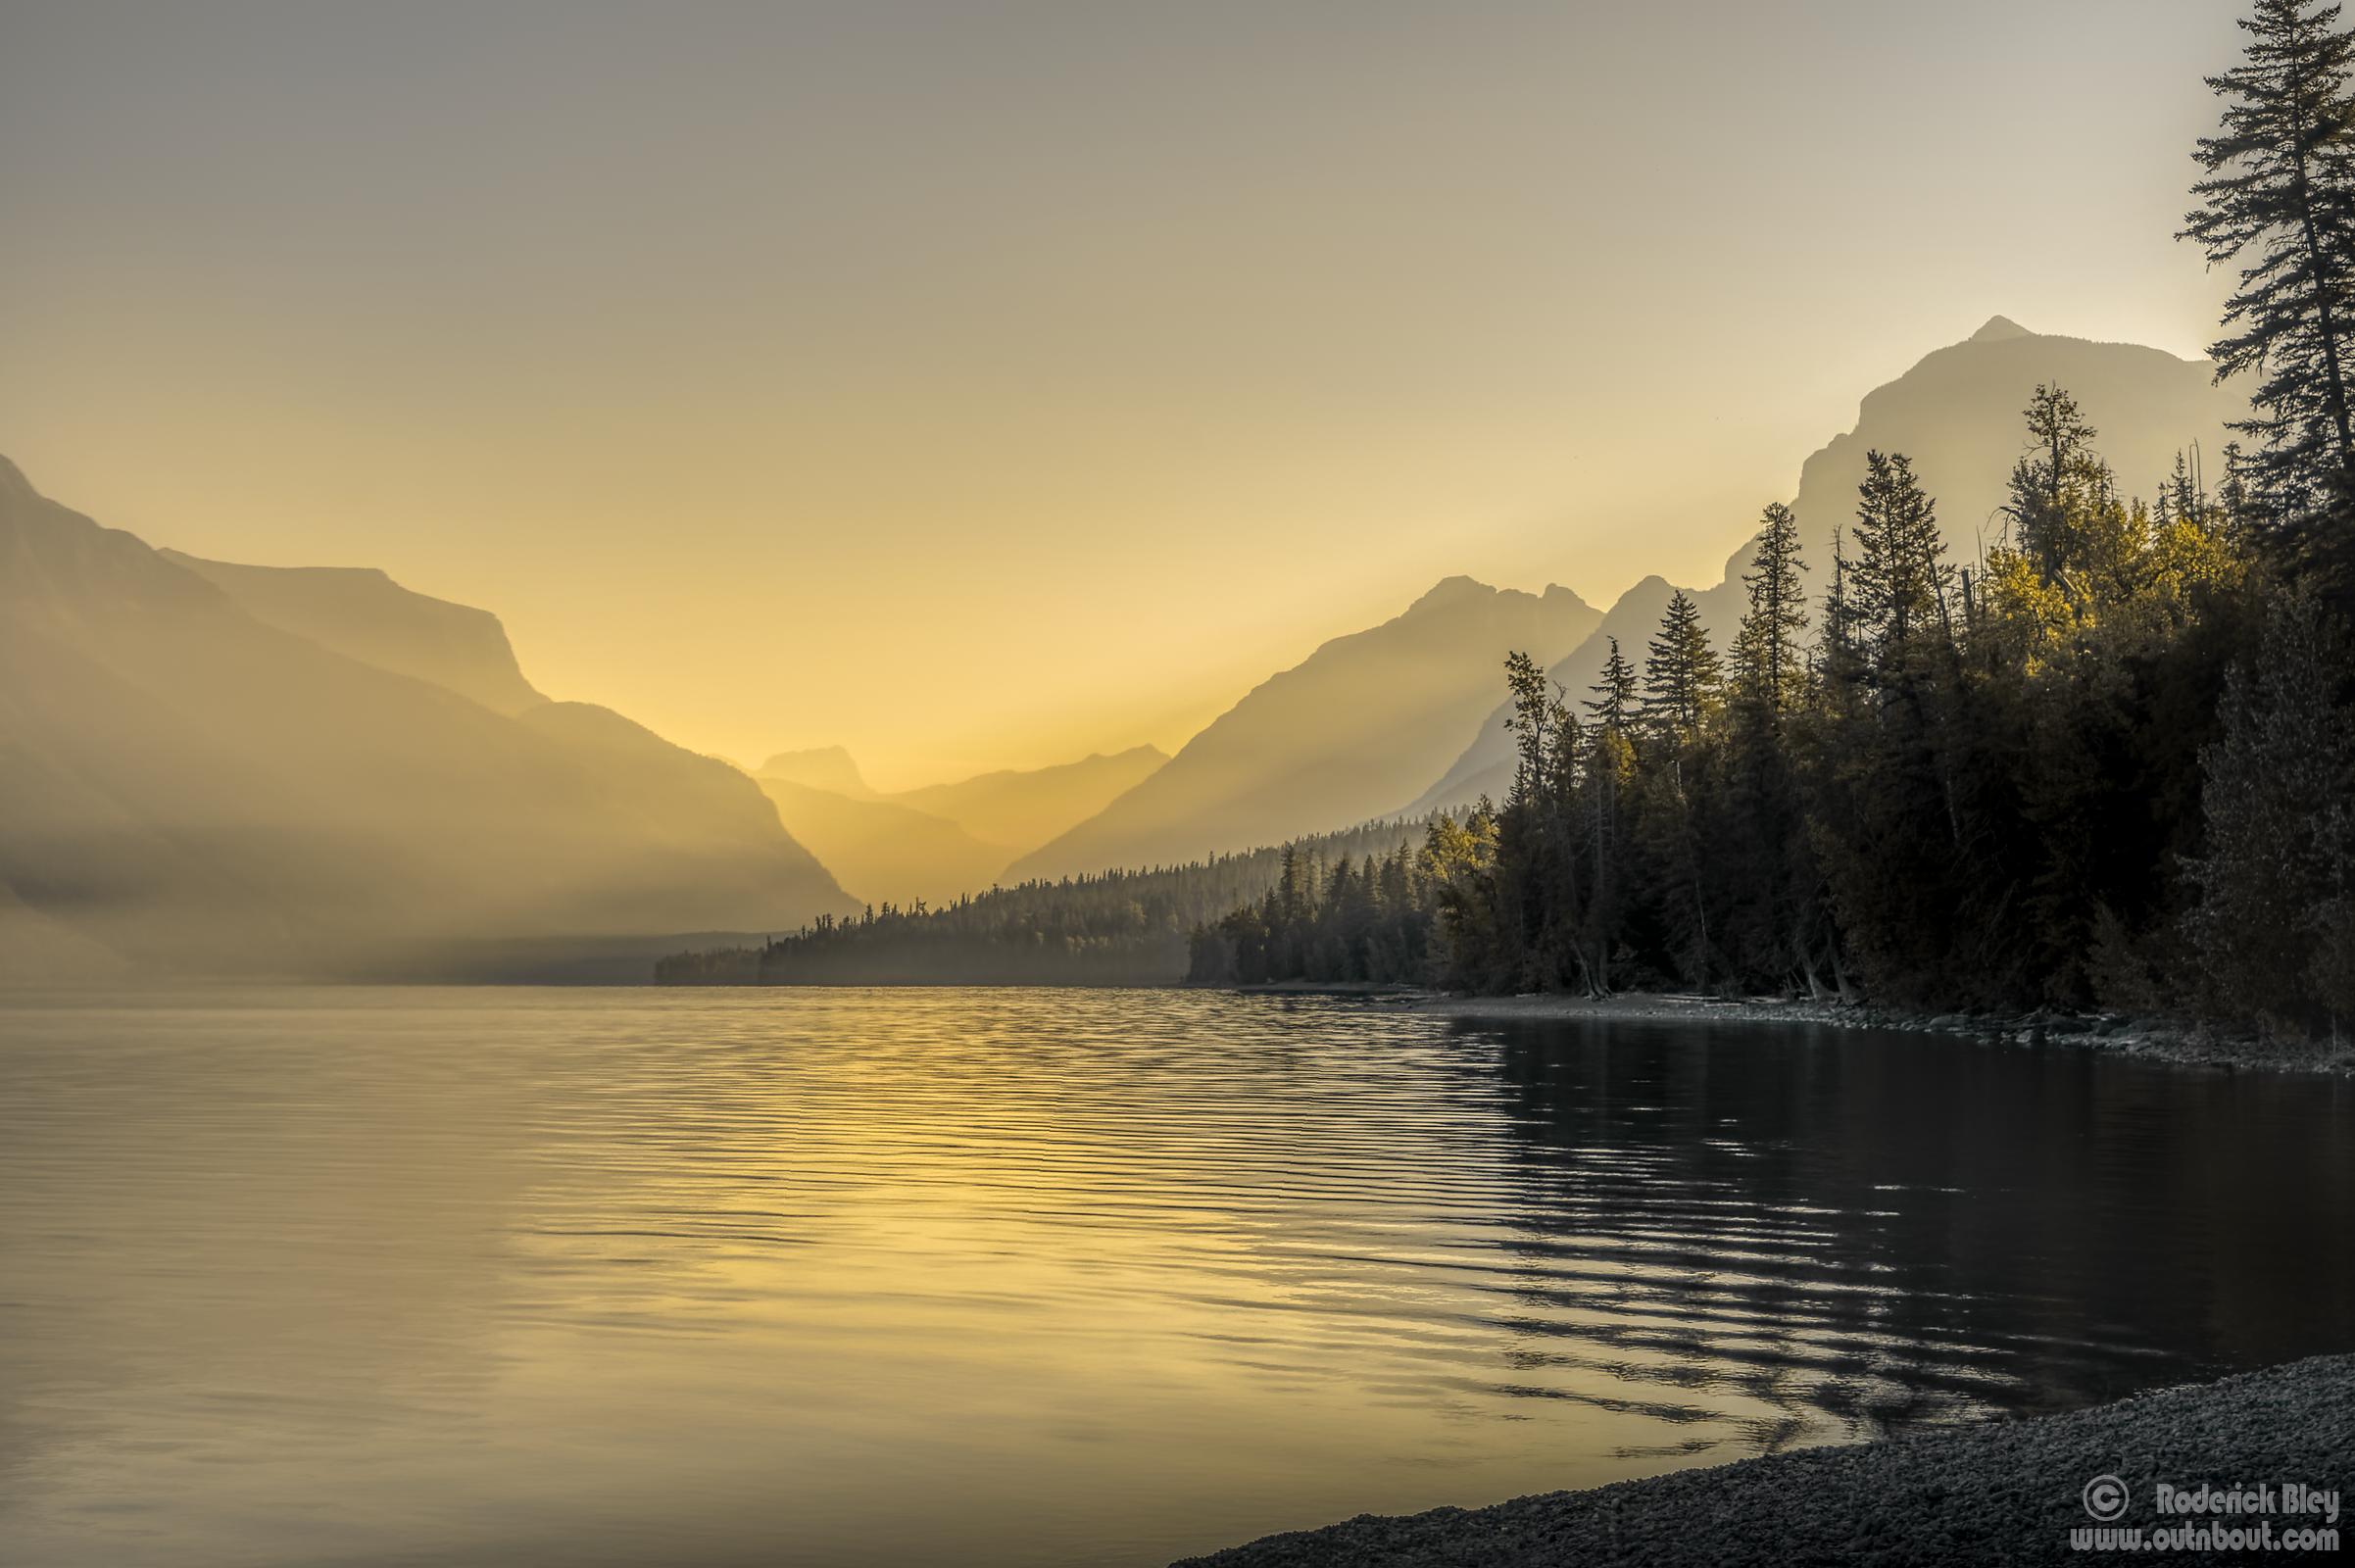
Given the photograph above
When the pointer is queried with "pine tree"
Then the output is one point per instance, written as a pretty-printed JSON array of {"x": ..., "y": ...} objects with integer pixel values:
[
  {"x": 1681, "y": 672},
  {"x": 2060, "y": 459},
  {"x": 1840, "y": 653},
  {"x": 2280, "y": 198},
  {"x": 2182, "y": 488},
  {"x": 1537, "y": 716},
  {"x": 1614, "y": 702},
  {"x": 1899, "y": 580},
  {"x": 1775, "y": 920},
  {"x": 1769, "y": 669}
]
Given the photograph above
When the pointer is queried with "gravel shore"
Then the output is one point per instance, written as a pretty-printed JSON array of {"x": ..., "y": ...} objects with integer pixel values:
[
  {"x": 2003, "y": 1491},
  {"x": 2151, "y": 1039}
]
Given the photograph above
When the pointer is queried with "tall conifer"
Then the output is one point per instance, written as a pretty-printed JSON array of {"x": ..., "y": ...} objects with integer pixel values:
[{"x": 2280, "y": 200}]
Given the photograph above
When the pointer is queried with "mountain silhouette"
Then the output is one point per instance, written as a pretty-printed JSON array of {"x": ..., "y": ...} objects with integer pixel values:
[
  {"x": 941, "y": 839},
  {"x": 822, "y": 768},
  {"x": 190, "y": 787},
  {"x": 1485, "y": 766},
  {"x": 361, "y": 613},
  {"x": 1348, "y": 734},
  {"x": 883, "y": 851},
  {"x": 1957, "y": 414},
  {"x": 1024, "y": 808}
]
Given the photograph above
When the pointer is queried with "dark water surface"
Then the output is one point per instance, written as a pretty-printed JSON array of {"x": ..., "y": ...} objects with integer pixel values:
[{"x": 996, "y": 1277}]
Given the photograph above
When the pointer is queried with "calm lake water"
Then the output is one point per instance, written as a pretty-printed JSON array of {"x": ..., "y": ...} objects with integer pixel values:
[{"x": 997, "y": 1277}]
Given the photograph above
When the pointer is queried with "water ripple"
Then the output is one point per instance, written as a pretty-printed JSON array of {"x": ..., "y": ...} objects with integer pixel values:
[{"x": 1030, "y": 1276}]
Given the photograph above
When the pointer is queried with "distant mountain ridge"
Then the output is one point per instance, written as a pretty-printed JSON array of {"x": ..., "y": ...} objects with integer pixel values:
[
  {"x": 882, "y": 852},
  {"x": 820, "y": 768},
  {"x": 942, "y": 840},
  {"x": 1024, "y": 808},
  {"x": 361, "y": 613},
  {"x": 187, "y": 786},
  {"x": 1486, "y": 766},
  {"x": 1957, "y": 415},
  {"x": 1336, "y": 740}
]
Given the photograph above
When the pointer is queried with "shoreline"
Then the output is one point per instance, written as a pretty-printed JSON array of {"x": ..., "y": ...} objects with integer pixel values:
[
  {"x": 2003, "y": 1491},
  {"x": 2150, "y": 1040}
]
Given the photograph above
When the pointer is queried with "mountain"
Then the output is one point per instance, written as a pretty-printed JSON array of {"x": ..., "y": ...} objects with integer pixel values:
[
  {"x": 1485, "y": 766},
  {"x": 883, "y": 850},
  {"x": 191, "y": 787},
  {"x": 822, "y": 768},
  {"x": 362, "y": 614},
  {"x": 1341, "y": 738},
  {"x": 1957, "y": 415},
  {"x": 1024, "y": 808},
  {"x": 942, "y": 840}
]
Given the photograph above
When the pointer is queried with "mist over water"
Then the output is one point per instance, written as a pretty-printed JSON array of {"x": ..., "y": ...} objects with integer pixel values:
[{"x": 1005, "y": 1277}]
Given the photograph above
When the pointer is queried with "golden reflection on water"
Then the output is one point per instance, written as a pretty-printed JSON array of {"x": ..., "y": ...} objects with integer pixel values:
[{"x": 1048, "y": 1277}]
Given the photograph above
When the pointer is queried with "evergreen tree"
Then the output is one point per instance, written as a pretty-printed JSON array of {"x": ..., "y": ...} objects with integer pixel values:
[
  {"x": 1613, "y": 704},
  {"x": 2279, "y": 199},
  {"x": 2059, "y": 462},
  {"x": 1769, "y": 661},
  {"x": 1681, "y": 672},
  {"x": 2276, "y": 872},
  {"x": 1537, "y": 716},
  {"x": 2181, "y": 495},
  {"x": 1610, "y": 767},
  {"x": 1899, "y": 579},
  {"x": 1459, "y": 863},
  {"x": 1777, "y": 921},
  {"x": 1840, "y": 653}
]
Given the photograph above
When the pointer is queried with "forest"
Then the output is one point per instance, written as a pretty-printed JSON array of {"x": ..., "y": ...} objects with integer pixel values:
[
  {"x": 1119, "y": 928},
  {"x": 2109, "y": 764}
]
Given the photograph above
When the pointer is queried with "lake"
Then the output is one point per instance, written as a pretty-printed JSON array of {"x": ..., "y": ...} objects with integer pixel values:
[{"x": 330, "y": 1277}]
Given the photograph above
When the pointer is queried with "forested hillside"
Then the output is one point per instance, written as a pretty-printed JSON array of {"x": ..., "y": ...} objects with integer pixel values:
[
  {"x": 2108, "y": 762},
  {"x": 1955, "y": 416},
  {"x": 1123, "y": 928}
]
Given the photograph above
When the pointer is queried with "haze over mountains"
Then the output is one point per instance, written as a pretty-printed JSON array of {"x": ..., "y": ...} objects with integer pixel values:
[
  {"x": 819, "y": 768},
  {"x": 360, "y": 612},
  {"x": 941, "y": 839},
  {"x": 1957, "y": 415},
  {"x": 1345, "y": 735},
  {"x": 884, "y": 853},
  {"x": 213, "y": 766},
  {"x": 235, "y": 769},
  {"x": 1025, "y": 807}
]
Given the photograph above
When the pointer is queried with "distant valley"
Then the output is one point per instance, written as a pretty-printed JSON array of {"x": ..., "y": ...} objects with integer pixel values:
[{"x": 942, "y": 840}]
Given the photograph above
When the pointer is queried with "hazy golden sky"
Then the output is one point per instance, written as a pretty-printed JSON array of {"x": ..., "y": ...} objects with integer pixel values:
[{"x": 982, "y": 384}]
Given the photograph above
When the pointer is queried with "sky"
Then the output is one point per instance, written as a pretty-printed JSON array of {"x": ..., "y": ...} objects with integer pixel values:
[{"x": 982, "y": 384}]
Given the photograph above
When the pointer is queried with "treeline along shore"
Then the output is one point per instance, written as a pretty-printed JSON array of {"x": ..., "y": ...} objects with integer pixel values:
[
  {"x": 1122, "y": 928},
  {"x": 2064, "y": 775},
  {"x": 2106, "y": 766}
]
